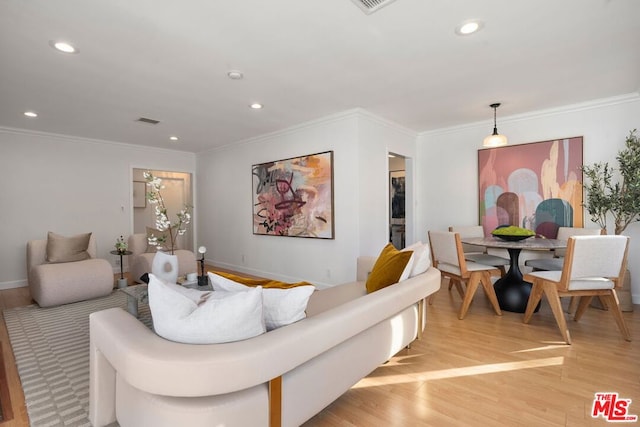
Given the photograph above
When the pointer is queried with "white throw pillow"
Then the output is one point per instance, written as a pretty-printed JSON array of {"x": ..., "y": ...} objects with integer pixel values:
[
  {"x": 280, "y": 306},
  {"x": 406, "y": 273},
  {"x": 208, "y": 318},
  {"x": 421, "y": 258}
]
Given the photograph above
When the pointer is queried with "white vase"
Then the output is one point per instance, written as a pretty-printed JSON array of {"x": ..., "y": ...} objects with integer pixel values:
[{"x": 165, "y": 267}]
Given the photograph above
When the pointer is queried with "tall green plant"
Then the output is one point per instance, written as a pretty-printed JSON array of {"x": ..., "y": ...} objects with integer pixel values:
[{"x": 620, "y": 199}]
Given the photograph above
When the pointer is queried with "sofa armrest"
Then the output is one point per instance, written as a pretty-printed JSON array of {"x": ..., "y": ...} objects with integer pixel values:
[
  {"x": 36, "y": 255},
  {"x": 364, "y": 267}
]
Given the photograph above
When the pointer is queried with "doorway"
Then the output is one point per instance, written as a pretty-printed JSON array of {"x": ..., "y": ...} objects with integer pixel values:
[
  {"x": 397, "y": 200},
  {"x": 177, "y": 193}
]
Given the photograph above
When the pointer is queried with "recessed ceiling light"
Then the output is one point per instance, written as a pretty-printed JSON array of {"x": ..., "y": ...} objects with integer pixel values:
[
  {"x": 235, "y": 75},
  {"x": 256, "y": 106},
  {"x": 468, "y": 27},
  {"x": 173, "y": 138},
  {"x": 31, "y": 114},
  {"x": 63, "y": 46}
]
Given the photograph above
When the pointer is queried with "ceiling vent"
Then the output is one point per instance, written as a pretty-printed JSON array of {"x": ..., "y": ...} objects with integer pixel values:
[
  {"x": 148, "y": 121},
  {"x": 370, "y": 6}
]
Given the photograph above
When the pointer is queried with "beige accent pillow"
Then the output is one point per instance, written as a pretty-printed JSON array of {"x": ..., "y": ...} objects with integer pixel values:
[
  {"x": 166, "y": 246},
  {"x": 67, "y": 249}
]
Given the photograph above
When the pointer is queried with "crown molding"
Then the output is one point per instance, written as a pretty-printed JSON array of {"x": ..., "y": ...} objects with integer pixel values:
[
  {"x": 565, "y": 109},
  {"x": 83, "y": 140},
  {"x": 387, "y": 123},
  {"x": 325, "y": 120}
]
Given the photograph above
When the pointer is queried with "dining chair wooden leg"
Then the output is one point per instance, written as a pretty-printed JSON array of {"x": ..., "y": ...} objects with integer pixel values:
[
  {"x": 534, "y": 299},
  {"x": 614, "y": 308},
  {"x": 603, "y": 301},
  {"x": 458, "y": 286},
  {"x": 490, "y": 292},
  {"x": 551, "y": 291},
  {"x": 583, "y": 305},
  {"x": 472, "y": 286},
  {"x": 573, "y": 304},
  {"x": 431, "y": 298},
  {"x": 503, "y": 272}
]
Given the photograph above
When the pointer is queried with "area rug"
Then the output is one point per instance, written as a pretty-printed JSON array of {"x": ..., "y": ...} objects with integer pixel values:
[{"x": 51, "y": 347}]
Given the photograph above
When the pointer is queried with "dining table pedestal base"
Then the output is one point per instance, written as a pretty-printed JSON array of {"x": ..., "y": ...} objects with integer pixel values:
[{"x": 511, "y": 290}]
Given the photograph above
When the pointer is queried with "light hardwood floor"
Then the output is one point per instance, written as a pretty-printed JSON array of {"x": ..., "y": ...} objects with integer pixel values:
[
  {"x": 489, "y": 370},
  {"x": 484, "y": 370}
]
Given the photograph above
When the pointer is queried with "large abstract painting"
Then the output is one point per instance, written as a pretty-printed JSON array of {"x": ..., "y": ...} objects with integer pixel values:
[
  {"x": 536, "y": 186},
  {"x": 294, "y": 197}
]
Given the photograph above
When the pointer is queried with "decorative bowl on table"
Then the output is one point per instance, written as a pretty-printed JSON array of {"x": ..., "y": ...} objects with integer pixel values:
[{"x": 512, "y": 233}]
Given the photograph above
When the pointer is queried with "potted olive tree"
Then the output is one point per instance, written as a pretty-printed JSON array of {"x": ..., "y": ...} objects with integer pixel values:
[{"x": 616, "y": 193}]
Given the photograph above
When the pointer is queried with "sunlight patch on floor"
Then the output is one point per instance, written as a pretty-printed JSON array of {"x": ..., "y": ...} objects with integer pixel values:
[
  {"x": 462, "y": 372},
  {"x": 546, "y": 347}
]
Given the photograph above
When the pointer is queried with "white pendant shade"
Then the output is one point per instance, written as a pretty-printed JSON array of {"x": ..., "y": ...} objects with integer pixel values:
[{"x": 495, "y": 140}]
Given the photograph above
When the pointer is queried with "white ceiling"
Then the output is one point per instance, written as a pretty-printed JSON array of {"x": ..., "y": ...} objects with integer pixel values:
[{"x": 168, "y": 60}]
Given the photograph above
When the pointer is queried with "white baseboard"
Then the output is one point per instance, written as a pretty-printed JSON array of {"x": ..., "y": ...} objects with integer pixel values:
[{"x": 14, "y": 284}]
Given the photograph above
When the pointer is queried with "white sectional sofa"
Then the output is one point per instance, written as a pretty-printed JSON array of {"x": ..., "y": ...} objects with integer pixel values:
[{"x": 283, "y": 377}]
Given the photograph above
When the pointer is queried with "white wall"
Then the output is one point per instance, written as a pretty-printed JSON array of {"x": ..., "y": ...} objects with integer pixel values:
[
  {"x": 376, "y": 139},
  {"x": 360, "y": 143},
  {"x": 447, "y": 165},
  {"x": 68, "y": 185},
  {"x": 72, "y": 185}
]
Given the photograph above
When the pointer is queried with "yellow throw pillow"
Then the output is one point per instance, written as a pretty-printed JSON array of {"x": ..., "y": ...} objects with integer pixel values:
[
  {"x": 265, "y": 283},
  {"x": 388, "y": 269}
]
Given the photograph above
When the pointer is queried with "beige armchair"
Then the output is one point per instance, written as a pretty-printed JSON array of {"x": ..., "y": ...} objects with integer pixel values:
[
  {"x": 64, "y": 282},
  {"x": 140, "y": 261}
]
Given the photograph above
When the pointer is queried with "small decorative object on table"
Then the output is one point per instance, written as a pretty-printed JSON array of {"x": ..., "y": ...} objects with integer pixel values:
[
  {"x": 121, "y": 245},
  {"x": 203, "y": 279},
  {"x": 512, "y": 233},
  {"x": 121, "y": 250}
]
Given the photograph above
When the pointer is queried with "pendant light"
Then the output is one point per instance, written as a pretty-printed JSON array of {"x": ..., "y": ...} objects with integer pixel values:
[{"x": 495, "y": 139}]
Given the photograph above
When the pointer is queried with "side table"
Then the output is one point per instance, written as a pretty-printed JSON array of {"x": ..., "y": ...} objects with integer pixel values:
[{"x": 122, "y": 282}]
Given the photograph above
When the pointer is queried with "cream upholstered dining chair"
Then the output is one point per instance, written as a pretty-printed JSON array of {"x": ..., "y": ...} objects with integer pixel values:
[
  {"x": 556, "y": 262},
  {"x": 448, "y": 257},
  {"x": 593, "y": 266},
  {"x": 478, "y": 253}
]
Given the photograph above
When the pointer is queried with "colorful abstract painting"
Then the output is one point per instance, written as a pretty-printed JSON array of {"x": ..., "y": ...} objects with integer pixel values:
[
  {"x": 294, "y": 197},
  {"x": 536, "y": 186}
]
